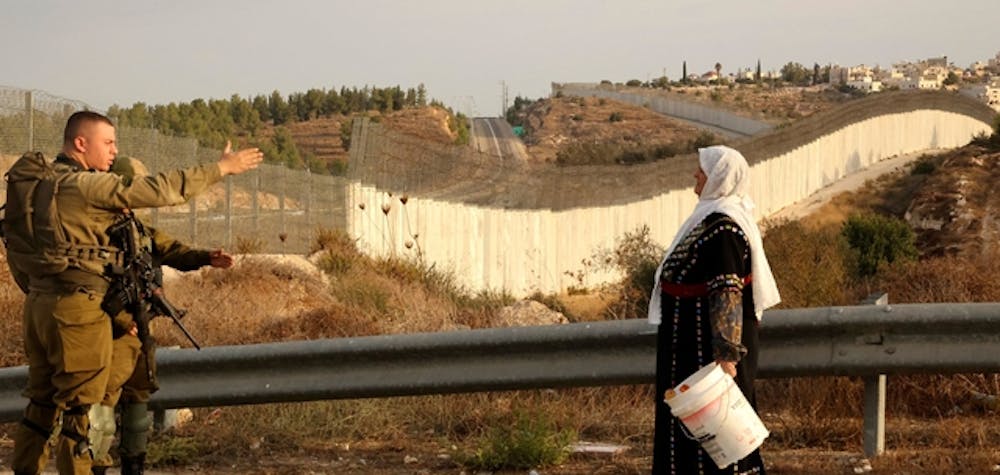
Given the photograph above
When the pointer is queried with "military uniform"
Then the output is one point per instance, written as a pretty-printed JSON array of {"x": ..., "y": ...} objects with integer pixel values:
[{"x": 67, "y": 337}]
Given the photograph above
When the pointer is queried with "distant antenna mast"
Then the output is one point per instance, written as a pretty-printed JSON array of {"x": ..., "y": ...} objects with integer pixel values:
[{"x": 504, "y": 98}]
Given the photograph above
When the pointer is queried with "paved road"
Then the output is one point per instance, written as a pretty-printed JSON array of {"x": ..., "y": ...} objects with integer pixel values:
[{"x": 494, "y": 136}]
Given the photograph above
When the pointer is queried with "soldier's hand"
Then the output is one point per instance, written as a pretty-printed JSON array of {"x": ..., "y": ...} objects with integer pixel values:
[
  {"x": 221, "y": 259},
  {"x": 234, "y": 163}
]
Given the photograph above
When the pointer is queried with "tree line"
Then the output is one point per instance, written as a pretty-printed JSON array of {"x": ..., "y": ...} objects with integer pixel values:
[{"x": 214, "y": 121}]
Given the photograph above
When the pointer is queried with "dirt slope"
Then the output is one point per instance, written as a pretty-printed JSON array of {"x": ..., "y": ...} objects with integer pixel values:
[
  {"x": 957, "y": 211},
  {"x": 552, "y": 125},
  {"x": 321, "y": 137}
]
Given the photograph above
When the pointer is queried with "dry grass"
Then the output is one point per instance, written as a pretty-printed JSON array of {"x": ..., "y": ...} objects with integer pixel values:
[{"x": 11, "y": 302}]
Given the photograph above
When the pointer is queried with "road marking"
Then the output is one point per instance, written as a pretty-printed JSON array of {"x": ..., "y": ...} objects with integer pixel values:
[{"x": 494, "y": 134}]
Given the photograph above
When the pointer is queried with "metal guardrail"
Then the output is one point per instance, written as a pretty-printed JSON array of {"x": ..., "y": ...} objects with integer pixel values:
[{"x": 867, "y": 341}]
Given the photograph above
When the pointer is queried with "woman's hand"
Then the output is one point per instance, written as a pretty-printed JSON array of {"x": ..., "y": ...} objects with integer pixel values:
[{"x": 729, "y": 367}]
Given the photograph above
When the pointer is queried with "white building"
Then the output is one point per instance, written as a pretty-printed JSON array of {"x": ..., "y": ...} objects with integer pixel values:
[
  {"x": 848, "y": 74},
  {"x": 921, "y": 82},
  {"x": 978, "y": 69},
  {"x": 866, "y": 84},
  {"x": 991, "y": 94}
]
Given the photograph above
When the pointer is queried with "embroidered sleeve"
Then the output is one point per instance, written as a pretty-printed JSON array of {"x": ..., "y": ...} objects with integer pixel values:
[
  {"x": 726, "y": 260},
  {"x": 725, "y": 308}
]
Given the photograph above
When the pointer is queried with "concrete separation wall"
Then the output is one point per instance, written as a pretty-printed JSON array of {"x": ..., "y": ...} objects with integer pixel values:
[{"x": 522, "y": 229}]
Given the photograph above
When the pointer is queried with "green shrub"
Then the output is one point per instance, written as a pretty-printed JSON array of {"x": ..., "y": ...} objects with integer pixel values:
[
  {"x": 636, "y": 258},
  {"x": 878, "y": 240},
  {"x": 615, "y": 117},
  {"x": 532, "y": 441},
  {"x": 168, "y": 450}
]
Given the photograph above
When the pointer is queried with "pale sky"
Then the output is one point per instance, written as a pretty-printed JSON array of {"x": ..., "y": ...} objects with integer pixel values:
[{"x": 105, "y": 52}]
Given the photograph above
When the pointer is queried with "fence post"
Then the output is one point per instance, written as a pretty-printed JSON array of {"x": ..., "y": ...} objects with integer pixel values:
[
  {"x": 153, "y": 160},
  {"x": 29, "y": 112},
  {"x": 228, "y": 242},
  {"x": 193, "y": 203},
  {"x": 874, "y": 429},
  {"x": 282, "y": 233},
  {"x": 308, "y": 205},
  {"x": 254, "y": 200}
]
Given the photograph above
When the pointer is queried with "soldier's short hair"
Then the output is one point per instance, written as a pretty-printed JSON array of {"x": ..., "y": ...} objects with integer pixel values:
[{"x": 78, "y": 120}]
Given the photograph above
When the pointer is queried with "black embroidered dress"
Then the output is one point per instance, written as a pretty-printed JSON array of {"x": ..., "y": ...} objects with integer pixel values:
[{"x": 694, "y": 330}]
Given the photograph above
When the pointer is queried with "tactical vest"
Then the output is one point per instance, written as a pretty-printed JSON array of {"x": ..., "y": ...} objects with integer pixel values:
[{"x": 32, "y": 231}]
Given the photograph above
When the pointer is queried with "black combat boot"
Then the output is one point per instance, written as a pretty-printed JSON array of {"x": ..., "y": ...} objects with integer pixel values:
[{"x": 133, "y": 465}]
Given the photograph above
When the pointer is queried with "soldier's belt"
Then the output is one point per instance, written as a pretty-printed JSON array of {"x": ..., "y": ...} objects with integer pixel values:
[
  {"x": 68, "y": 281},
  {"x": 101, "y": 254}
]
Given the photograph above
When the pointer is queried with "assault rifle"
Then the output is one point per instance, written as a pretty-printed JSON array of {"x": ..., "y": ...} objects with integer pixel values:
[{"x": 138, "y": 283}]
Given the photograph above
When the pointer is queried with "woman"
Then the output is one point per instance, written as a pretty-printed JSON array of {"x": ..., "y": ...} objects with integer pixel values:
[{"x": 710, "y": 291}]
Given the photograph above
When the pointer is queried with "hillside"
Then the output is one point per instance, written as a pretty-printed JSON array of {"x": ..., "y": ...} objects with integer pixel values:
[
  {"x": 322, "y": 137},
  {"x": 576, "y": 130},
  {"x": 775, "y": 105},
  {"x": 558, "y": 127},
  {"x": 946, "y": 198}
]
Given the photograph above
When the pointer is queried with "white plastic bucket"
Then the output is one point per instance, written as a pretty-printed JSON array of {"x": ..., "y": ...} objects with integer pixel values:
[{"x": 717, "y": 415}]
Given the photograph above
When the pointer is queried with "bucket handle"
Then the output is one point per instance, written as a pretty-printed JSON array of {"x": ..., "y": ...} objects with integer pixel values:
[{"x": 691, "y": 436}]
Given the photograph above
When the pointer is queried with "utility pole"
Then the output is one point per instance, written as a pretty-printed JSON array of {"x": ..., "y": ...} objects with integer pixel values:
[{"x": 504, "y": 98}]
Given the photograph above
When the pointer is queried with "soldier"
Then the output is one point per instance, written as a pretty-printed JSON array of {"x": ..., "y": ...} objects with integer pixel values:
[
  {"x": 58, "y": 249},
  {"x": 133, "y": 365}
]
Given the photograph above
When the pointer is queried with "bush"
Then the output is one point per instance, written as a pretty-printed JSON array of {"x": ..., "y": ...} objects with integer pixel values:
[
  {"x": 923, "y": 167},
  {"x": 248, "y": 245},
  {"x": 989, "y": 141},
  {"x": 810, "y": 266},
  {"x": 615, "y": 117},
  {"x": 704, "y": 139},
  {"x": 878, "y": 240},
  {"x": 339, "y": 251},
  {"x": 636, "y": 257},
  {"x": 532, "y": 441}
]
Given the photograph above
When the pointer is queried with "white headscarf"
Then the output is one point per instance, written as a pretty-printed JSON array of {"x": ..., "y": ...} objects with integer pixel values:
[{"x": 726, "y": 192}]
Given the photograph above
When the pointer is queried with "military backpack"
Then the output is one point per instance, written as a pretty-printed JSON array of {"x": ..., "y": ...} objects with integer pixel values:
[{"x": 31, "y": 228}]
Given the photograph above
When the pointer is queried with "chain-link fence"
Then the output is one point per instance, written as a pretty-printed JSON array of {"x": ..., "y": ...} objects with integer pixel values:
[{"x": 272, "y": 209}]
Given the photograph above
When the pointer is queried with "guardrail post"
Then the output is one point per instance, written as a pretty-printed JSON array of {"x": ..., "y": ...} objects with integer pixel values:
[{"x": 874, "y": 430}]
